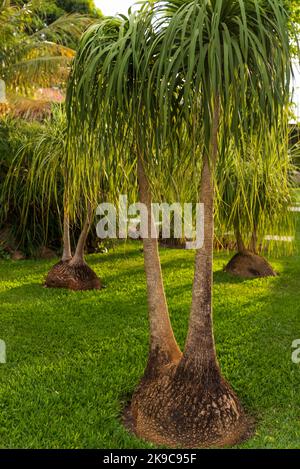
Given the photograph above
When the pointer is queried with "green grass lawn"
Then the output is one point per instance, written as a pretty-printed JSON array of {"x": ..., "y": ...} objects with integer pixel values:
[
  {"x": 297, "y": 195},
  {"x": 74, "y": 358}
]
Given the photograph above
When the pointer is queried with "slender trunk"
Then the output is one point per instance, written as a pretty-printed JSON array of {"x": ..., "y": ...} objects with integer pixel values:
[
  {"x": 253, "y": 241},
  {"x": 67, "y": 253},
  {"x": 79, "y": 253},
  {"x": 163, "y": 346},
  {"x": 200, "y": 345},
  {"x": 239, "y": 241}
]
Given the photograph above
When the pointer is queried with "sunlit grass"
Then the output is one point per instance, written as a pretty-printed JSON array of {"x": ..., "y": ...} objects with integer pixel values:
[{"x": 74, "y": 358}]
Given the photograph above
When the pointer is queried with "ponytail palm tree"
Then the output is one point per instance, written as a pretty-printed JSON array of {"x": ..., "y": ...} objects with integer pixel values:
[
  {"x": 225, "y": 51},
  {"x": 44, "y": 178},
  {"x": 49, "y": 169},
  {"x": 163, "y": 82},
  {"x": 255, "y": 195}
]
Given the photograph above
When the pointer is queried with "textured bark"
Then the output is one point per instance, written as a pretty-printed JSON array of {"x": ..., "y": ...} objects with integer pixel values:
[
  {"x": 239, "y": 241},
  {"x": 79, "y": 253},
  {"x": 72, "y": 277},
  {"x": 200, "y": 341},
  {"x": 188, "y": 403},
  {"x": 67, "y": 253},
  {"x": 184, "y": 408},
  {"x": 246, "y": 264},
  {"x": 253, "y": 242},
  {"x": 163, "y": 346}
]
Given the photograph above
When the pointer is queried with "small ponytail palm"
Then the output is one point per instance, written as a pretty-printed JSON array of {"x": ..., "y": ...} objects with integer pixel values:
[
  {"x": 40, "y": 167},
  {"x": 255, "y": 194}
]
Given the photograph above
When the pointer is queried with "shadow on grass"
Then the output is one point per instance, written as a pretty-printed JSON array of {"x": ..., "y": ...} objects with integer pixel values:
[{"x": 255, "y": 323}]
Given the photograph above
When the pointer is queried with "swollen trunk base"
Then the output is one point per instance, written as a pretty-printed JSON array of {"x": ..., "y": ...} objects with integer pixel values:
[
  {"x": 183, "y": 408},
  {"x": 249, "y": 265},
  {"x": 76, "y": 277}
]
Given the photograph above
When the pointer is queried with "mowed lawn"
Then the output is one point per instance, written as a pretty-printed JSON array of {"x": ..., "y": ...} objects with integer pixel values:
[{"x": 73, "y": 359}]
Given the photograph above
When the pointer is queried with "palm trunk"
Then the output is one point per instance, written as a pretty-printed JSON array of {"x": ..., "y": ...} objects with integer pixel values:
[
  {"x": 239, "y": 241},
  {"x": 200, "y": 347},
  {"x": 253, "y": 241},
  {"x": 163, "y": 346},
  {"x": 67, "y": 253},
  {"x": 74, "y": 273},
  {"x": 78, "y": 257}
]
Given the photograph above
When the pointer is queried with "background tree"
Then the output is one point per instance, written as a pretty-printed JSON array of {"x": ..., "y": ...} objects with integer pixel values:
[
  {"x": 86, "y": 7},
  {"x": 44, "y": 181},
  {"x": 33, "y": 53},
  {"x": 14, "y": 135},
  {"x": 52, "y": 10},
  {"x": 294, "y": 11},
  {"x": 255, "y": 195}
]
